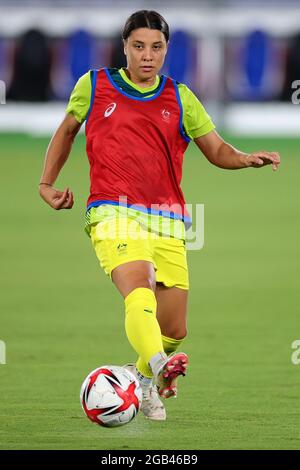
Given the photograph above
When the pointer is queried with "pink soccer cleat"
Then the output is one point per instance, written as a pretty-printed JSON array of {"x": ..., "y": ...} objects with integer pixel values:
[{"x": 166, "y": 379}]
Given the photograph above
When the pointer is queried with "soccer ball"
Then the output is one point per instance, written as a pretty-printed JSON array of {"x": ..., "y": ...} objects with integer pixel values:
[{"x": 111, "y": 396}]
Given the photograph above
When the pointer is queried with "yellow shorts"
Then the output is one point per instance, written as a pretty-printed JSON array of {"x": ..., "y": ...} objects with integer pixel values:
[{"x": 117, "y": 242}]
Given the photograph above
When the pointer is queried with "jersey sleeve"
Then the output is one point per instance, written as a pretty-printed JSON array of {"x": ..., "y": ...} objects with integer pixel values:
[
  {"x": 80, "y": 98},
  {"x": 196, "y": 120}
]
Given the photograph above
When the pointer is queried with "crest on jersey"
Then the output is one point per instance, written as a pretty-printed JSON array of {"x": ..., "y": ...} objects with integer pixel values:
[{"x": 166, "y": 115}]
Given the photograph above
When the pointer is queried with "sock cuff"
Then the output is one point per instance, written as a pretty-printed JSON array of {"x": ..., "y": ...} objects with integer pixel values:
[
  {"x": 143, "y": 368},
  {"x": 145, "y": 292},
  {"x": 172, "y": 341},
  {"x": 144, "y": 380}
]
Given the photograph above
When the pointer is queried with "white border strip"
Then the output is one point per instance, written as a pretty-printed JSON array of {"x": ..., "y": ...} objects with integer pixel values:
[
  {"x": 201, "y": 21},
  {"x": 241, "y": 119},
  {"x": 260, "y": 119}
]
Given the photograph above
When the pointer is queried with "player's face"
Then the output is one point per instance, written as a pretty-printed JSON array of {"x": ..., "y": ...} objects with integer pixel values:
[{"x": 145, "y": 50}]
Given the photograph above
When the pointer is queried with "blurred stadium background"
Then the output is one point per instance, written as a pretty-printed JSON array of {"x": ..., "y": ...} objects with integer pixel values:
[
  {"x": 60, "y": 316},
  {"x": 235, "y": 55}
]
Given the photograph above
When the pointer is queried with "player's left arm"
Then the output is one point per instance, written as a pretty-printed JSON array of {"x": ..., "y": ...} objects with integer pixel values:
[{"x": 224, "y": 155}]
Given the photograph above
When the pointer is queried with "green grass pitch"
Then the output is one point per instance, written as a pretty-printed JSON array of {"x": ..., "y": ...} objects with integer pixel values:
[{"x": 61, "y": 317}]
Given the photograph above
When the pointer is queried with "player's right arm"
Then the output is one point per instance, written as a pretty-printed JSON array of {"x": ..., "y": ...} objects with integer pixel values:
[
  {"x": 57, "y": 154},
  {"x": 60, "y": 146}
]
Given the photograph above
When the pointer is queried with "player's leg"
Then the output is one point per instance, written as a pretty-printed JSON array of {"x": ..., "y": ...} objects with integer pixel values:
[
  {"x": 136, "y": 282},
  {"x": 126, "y": 255},
  {"x": 172, "y": 317},
  {"x": 172, "y": 297},
  {"x": 128, "y": 261},
  {"x": 172, "y": 305}
]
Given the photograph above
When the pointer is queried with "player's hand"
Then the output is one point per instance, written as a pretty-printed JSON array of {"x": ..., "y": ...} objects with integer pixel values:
[
  {"x": 57, "y": 199},
  {"x": 263, "y": 158}
]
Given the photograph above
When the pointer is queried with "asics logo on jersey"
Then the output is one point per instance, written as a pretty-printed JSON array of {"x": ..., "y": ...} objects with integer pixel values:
[{"x": 110, "y": 109}]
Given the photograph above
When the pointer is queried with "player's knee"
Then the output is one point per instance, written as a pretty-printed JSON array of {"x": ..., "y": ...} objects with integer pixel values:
[
  {"x": 134, "y": 277},
  {"x": 145, "y": 280}
]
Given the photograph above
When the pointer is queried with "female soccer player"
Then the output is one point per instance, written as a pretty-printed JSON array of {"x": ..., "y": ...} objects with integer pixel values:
[{"x": 138, "y": 126}]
